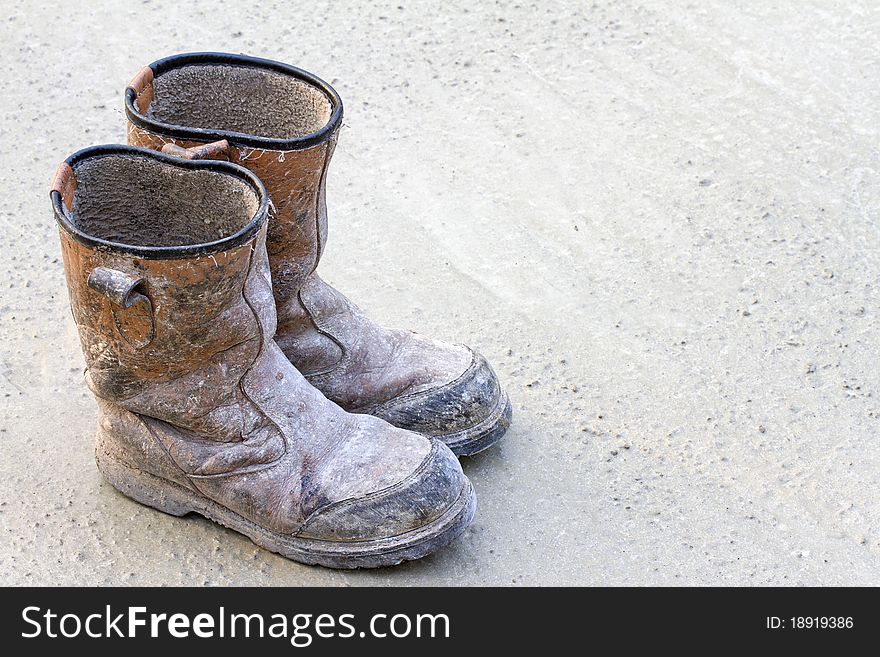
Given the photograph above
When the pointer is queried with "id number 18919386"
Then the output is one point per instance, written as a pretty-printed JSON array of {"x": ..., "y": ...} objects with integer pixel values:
[{"x": 810, "y": 623}]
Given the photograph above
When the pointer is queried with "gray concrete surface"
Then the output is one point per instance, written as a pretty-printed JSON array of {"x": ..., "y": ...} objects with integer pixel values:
[{"x": 658, "y": 220}]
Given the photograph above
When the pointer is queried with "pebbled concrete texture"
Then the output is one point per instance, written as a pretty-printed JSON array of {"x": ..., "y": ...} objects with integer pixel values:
[{"x": 658, "y": 220}]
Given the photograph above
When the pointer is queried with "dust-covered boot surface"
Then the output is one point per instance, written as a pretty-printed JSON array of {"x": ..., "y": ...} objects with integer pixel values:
[
  {"x": 282, "y": 123},
  {"x": 200, "y": 411}
]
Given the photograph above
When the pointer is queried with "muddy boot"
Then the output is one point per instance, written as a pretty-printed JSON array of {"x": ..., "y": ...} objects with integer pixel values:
[
  {"x": 199, "y": 409},
  {"x": 282, "y": 123}
]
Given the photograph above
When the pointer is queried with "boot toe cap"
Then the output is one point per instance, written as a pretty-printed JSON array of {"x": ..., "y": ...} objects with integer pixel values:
[
  {"x": 469, "y": 413},
  {"x": 436, "y": 490}
]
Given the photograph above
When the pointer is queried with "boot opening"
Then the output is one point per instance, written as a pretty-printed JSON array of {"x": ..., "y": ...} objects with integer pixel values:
[
  {"x": 244, "y": 99},
  {"x": 140, "y": 201}
]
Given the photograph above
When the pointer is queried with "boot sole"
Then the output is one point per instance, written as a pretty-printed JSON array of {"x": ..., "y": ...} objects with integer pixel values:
[
  {"x": 173, "y": 499},
  {"x": 483, "y": 435}
]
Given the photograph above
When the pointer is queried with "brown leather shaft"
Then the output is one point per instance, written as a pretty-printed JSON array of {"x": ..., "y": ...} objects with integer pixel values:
[
  {"x": 194, "y": 391},
  {"x": 296, "y": 181},
  {"x": 187, "y": 334}
]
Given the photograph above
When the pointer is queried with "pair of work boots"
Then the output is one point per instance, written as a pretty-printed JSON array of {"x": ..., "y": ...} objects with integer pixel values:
[{"x": 231, "y": 380}]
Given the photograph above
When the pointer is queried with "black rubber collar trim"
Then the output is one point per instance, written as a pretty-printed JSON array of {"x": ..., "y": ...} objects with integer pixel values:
[
  {"x": 236, "y": 138},
  {"x": 165, "y": 252}
]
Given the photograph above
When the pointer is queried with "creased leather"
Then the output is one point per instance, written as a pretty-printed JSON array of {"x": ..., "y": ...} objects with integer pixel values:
[{"x": 214, "y": 404}]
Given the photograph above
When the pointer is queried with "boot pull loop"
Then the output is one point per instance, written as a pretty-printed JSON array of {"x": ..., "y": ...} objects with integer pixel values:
[
  {"x": 141, "y": 86},
  {"x": 64, "y": 183},
  {"x": 217, "y": 150},
  {"x": 132, "y": 310}
]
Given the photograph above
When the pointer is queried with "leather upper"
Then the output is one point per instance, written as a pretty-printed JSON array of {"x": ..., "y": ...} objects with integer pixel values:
[{"x": 230, "y": 416}]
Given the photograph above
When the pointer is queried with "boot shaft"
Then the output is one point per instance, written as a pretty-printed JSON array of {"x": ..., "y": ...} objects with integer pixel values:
[
  {"x": 280, "y": 122},
  {"x": 163, "y": 261}
]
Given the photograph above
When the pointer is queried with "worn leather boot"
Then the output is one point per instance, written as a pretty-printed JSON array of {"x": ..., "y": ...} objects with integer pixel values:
[
  {"x": 199, "y": 409},
  {"x": 282, "y": 124}
]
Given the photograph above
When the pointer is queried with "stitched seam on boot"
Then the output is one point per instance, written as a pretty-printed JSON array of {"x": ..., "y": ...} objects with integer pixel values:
[
  {"x": 319, "y": 249},
  {"x": 240, "y": 385},
  {"x": 326, "y": 334},
  {"x": 164, "y": 449},
  {"x": 377, "y": 493},
  {"x": 240, "y": 382}
]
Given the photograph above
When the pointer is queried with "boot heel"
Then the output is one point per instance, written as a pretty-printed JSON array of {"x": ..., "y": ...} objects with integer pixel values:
[{"x": 161, "y": 494}]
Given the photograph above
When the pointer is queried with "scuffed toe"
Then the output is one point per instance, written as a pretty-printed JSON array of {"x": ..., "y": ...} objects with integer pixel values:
[
  {"x": 436, "y": 490},
  {"x": 469, "y": 413}
]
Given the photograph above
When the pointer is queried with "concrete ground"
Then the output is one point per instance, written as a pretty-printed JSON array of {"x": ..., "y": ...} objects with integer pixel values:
[{"x": 660, "y": 221}]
